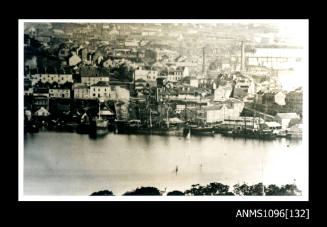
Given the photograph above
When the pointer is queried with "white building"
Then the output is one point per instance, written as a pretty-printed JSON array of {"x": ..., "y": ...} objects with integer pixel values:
[
  {"x": 222, "y": 93},
  {"x": 93, "y": 79},
  {"x": 51, "y": 78},
  {"x": 147, "y": 75},
  {"x": 92, "y": 75},
  {"x": 82, "y": 92},
  {"x": 177, "y": 74},
  {"x": 101, "y": 90},
  {"x": 74, "y": 60},
  {"x": 194, "y": 82},
  {"x": 131, "y": 43},
  {"x": 285, "y": 118},
  {"x": 59, "y": 93},
  {"x": 214, "y": 113}
]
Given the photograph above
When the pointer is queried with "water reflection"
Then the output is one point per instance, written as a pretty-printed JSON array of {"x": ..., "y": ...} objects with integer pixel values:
[{"x": 73, "y": 164}]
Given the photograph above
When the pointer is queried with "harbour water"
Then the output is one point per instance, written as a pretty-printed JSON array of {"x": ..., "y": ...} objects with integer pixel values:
[{"x": 73, "y": 164}]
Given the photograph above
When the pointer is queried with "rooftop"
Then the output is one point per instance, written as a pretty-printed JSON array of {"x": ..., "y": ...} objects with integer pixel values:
[
  {"x": 101, "y": 84},
  {"x": 140, "y": 80},
  {"x": 272, "y": 124},
  {"x": 287, "y": 115},
  {"x": 89, "y": 71},
  {"x": 216, "y": 107},
  {"x": 82, "y": 87},
  {"x": 233, "y": 100}
]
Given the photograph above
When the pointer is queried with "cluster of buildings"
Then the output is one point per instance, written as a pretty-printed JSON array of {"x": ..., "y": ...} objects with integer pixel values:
[{"x": 137, "y": 63}]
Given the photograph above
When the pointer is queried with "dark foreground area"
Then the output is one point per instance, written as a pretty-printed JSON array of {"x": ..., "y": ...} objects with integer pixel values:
[{"x": 215, "y": 189}]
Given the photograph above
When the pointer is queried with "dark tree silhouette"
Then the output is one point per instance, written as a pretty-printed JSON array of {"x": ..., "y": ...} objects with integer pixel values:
[
  {"x": 245, "y": 189},
  {"x": 289, "y": 189},
  {"x": 210, "y": 189},
  {"x": 175, "y": 193},
  {"x": 102, "y": 193},
  {"x": 257, "y": 190},
  {"x": 215, "y": 189},
  {"x": 144, "y": 191}
]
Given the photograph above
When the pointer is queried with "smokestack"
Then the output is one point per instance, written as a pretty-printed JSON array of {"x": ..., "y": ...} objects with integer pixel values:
[
  {"x": 203, "y": 64},
  {"x": 242, "y": 56}
]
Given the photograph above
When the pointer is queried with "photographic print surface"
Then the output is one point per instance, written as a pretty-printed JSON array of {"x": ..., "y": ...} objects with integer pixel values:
[{"x": 178, "y": 109}]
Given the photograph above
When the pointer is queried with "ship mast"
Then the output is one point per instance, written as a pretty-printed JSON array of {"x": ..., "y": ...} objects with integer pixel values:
[
  {"x": 168, "y": 116},
  {"x": 185, "y": 118},
  {"x": 245, "y": 123},
  {"x": 149, "y": 104},
  {"x": 99, "y": 110},
  {"x": 150, "y": 119}
]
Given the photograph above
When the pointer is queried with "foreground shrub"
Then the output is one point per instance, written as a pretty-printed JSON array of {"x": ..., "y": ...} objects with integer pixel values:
[
  {"x": 102, "y": 193},
  {"x": 215, "y": 189},
  {"x": 176, "y": 193},
  {"x": 210, "y": 189},
  {"x": 270, "y": 190},
  {"x": 144, "y": 191}
]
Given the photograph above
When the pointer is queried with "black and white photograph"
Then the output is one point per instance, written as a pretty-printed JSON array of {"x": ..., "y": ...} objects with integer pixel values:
[{"x": 163, "y": 110}]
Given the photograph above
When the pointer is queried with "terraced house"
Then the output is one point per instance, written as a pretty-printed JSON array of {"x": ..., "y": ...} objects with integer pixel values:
[
  {"x": 53, "y": 78},
  {"x": 101, "y": 90},
  {"x": 59, "y": 93},
  {"x": 91, "y": 75},
  {"x": 82, "y": 92}
]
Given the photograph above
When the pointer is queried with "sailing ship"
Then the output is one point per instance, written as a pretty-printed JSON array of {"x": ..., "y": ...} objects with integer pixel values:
[
  {"x": 247, "y": 134},
  {"x": 199, "y": 128},
  {"x": 244, "y": 132},
  {"x": 165, "y": 126}
]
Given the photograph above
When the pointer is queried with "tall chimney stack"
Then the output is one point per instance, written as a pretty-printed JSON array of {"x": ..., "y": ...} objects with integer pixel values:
[
  {"x": 203, "y": 64},
  {"x": 242, "y": 56}
]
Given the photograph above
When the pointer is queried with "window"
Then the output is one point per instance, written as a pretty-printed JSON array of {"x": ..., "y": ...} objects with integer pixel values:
[
  {"x": 98, "y": 95},
  {"x": 94, "y": 94}
]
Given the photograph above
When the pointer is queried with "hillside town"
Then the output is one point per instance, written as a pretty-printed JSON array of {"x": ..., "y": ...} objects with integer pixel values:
[{"x": 160, "y": 78}]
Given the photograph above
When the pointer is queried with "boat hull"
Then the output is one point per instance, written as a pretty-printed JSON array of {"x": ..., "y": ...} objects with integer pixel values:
[
  {"x": 125, "y": 128},
  {"x": 200, "y": 131},
  {"x": 250, "y": 135}
]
